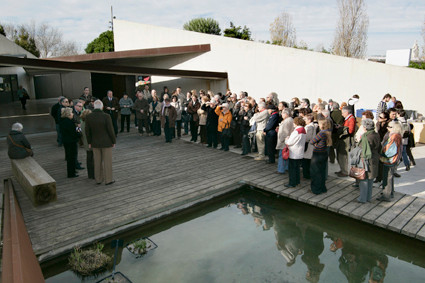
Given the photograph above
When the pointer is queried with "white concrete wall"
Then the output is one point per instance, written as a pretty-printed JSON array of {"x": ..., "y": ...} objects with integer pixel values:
[
  {"x": 8, "y": 47},
  {"x": 261, "y": 68}
]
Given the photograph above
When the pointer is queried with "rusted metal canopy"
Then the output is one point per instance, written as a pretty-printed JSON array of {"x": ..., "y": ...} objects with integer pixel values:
[
  {"x": 40, "y": 65},
  {"x": 135, "y": 54}
]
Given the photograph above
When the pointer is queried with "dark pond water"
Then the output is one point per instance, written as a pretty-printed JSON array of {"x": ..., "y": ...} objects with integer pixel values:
[{"x": 252, "y": 236}]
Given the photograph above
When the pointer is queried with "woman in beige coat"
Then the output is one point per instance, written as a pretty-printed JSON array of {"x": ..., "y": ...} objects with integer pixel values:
[
  {"x": 286, "y": 127},
  {"x": 203, "y": 120}
]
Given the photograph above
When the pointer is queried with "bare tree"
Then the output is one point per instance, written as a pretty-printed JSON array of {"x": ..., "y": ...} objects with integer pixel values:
[
  {"x": 47, "y": 39},
  {"x": 423, "y": 36},
  {"x": 351, "y": 32},
  {"x": 282, "y": 31},
  {"x": 68, "y": 48}
]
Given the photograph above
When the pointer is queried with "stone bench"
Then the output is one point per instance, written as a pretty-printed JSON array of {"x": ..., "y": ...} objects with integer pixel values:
[{"x": 36, "y": 182}]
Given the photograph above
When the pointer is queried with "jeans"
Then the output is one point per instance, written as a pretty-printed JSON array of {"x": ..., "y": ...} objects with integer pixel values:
[
  {"x": 282, "y": 164},
  {"x": 388, "y": 181},
  {"x": 365, "y": 187},
  {"x": 405, "y": 157}
]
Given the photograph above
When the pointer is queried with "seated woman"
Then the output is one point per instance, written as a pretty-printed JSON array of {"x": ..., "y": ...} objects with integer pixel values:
[{"x": 18, "y": 145}]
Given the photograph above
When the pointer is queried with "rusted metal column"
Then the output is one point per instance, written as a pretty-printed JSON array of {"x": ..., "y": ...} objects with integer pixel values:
[{"x": 20, "y": 264}]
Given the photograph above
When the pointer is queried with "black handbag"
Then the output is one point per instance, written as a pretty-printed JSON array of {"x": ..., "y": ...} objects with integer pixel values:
[{"x": 226, "y": 132}]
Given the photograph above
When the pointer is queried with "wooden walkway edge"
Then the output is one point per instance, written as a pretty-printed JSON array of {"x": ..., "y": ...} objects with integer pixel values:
[{"x": 155, "y": 179}]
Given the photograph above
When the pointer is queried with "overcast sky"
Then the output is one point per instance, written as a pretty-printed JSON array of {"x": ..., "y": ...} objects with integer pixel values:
[{"x": 392, "y": 24}]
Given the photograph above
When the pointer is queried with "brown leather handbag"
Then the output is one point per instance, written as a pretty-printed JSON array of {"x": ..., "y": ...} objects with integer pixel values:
[{"x": 357, "y": 173}]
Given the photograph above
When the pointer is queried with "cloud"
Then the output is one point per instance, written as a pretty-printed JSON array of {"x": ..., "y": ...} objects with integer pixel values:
[{"x": 393, "y": 24}]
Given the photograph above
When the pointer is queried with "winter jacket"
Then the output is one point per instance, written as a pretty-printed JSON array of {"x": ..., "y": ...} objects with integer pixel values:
[
  {"x": 285, "y": 129},
  {"x": 224, "y": 120},
  {"x": 261, "y": 119},
  {"x": 16, "y": 149},
  {"x": 141, "y": 104},
  {"x": 192, "y": 109},
  {"x": 202, "y": 116},
  {"x": 179, "y": 108},
  {"x": 171, "y": 112},
  {"x": 391, "y": 149},
  {"x": 310, "y": 130},
  {"x": 126, "y": 105},
  {"x": 296, "y": 143}
]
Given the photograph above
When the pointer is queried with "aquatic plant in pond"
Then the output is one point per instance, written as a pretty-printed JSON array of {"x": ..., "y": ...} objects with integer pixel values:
[
  {"x": 90, "y": 261},
  {"x": 141, "y": 246}
]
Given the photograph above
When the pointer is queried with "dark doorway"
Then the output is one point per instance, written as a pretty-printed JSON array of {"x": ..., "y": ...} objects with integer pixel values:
[{"x": 101, "y": 83}]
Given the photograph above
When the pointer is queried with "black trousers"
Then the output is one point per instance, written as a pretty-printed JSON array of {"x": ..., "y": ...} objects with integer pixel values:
[
  {"x": 225, "y": 141},
  {"x": 194, "y": 130},
  {"x": 271, "y": 142},
  {"x": 318, "y": 172},
  {"x": 212, "y": 139},
  {"x": 90, "y": 164},
  {"x": 203, "y": 133},
  {"x": 114, "y": 122},
  {"x": 70, "y": 154},
  {"x": 127, "y": 119},
  {"x": 167, "y": 131},
  {"x": 236, "y": 134},
  {"x": 294, "y": 171},
  {"x": 143, "y": 123},
  {"x": 246, "y": 146},
  {"x": 156, "y": 127},
  {"x": 306, "y": 168},
  {"x": 179, "y": 128}
]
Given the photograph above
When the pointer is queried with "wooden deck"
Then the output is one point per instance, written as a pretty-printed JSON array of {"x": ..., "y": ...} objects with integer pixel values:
[{"x": 154, "y": 179}]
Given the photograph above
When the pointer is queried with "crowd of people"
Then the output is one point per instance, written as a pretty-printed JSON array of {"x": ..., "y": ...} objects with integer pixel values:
[{"x": 301, "y": 136}]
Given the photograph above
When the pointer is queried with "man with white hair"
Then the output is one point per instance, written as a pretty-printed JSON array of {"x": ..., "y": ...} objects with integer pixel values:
[
  {"x": 101, "y": 138},
  {"x": 261, "y": 119}
]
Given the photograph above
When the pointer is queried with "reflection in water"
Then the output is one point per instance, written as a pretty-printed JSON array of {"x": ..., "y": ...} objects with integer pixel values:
[
  {"x": 250, "y": 237},
  {"x": 294, "y": 237}
]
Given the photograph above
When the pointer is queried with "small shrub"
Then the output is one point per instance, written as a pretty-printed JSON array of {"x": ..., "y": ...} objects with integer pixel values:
[{"x": 88, "y": 262}]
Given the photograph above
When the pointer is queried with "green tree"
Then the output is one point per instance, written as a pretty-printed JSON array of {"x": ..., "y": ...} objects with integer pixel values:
[
  {"x": 238, "y": 32},
  {"x": 2, "y": 32},
  {"x": 204, "y": 25},
  {"x": 27, "y": 42},
  {"x": 103, "y": 43}
]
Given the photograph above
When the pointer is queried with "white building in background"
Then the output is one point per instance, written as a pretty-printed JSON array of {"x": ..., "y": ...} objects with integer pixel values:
[
  {"x": 260, "y": 68},
  {"x": 12, "y": 77}
]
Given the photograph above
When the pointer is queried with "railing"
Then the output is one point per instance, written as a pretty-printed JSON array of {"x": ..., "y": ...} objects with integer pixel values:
[{"x": 20, "y": 264}]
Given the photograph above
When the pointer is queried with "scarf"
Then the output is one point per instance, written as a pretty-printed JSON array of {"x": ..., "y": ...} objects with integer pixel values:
[
  {"x": 165, "y": 105},
  {"x": 300, "y": 130},
  {"x": 364, "y": 143}
]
